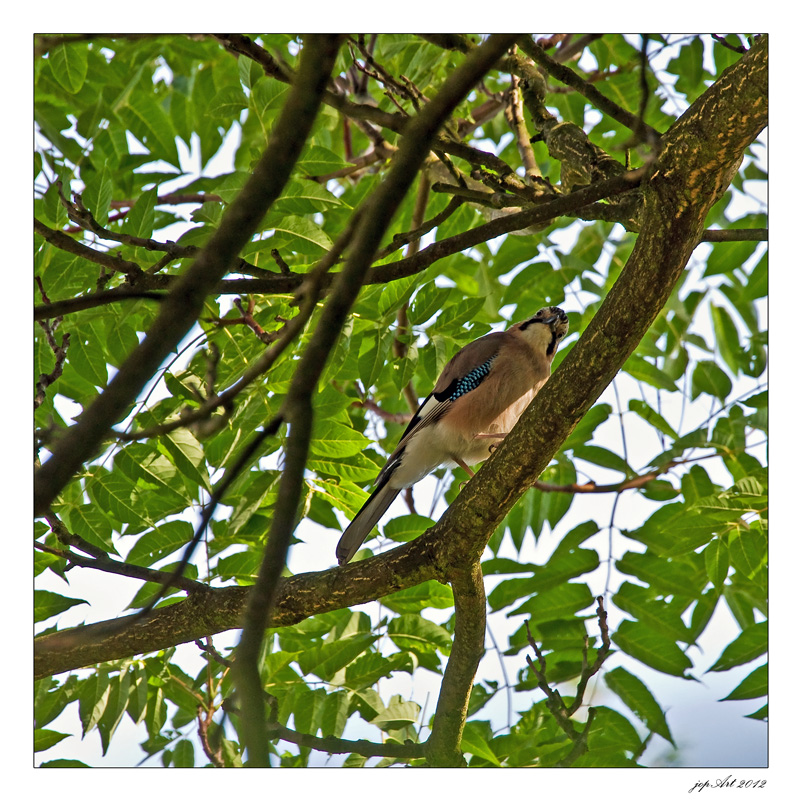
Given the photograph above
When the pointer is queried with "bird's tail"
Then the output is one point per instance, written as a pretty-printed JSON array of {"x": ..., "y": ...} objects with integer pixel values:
[{"x": 363, "y": 522}]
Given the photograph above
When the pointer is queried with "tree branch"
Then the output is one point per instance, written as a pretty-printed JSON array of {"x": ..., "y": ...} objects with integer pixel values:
[
  {"x": 185, "y": 301},
  {"x": 442, "y": 748},
  {"x": 569, "y": 77},
  {"x": 63, "y": 242},
  {"x": 362, "y": 747}
]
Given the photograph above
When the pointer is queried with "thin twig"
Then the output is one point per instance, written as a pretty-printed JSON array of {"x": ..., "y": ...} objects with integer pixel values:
[{"x": 591, "y": 93}]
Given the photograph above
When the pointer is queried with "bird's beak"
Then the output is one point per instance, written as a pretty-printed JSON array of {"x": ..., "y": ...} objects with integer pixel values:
[{"x": 549, "y": 320}]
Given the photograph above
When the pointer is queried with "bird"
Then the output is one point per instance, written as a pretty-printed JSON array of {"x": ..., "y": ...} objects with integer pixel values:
[{"x": 476, "y": 401}]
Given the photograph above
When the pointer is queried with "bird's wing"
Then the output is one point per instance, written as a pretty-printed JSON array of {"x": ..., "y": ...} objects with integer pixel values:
[{"x": 468, "y": 368}]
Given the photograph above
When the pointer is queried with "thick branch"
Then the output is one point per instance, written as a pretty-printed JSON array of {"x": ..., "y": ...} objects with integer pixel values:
[{"x": 442, "y": 748}]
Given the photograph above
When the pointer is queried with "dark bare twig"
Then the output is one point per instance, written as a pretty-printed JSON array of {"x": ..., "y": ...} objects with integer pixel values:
[
  {"x": 587, "y": 670},
  {"x": 553, "y": 700},
  {"x": 204, "y": 721},
  {"x": 736, "y": 235},
  {"x": 641, "y": 133},
  {"x": 516, "y": 121},
  {"x": 104, "y": 563},
  {"x": 247, "y": 319},
  {"x": 100, "y": 560},
  {"x": 591, "y": 93},
  {"x": 60, "y": 307},
  {"x": 46, "y": 379},
  {"x": 402, "y": 239},
  {"x": 552, "y": 41},
  {"x": 64, "y": 242},
  {"x": 741, "y": 49},
  {"x": 86, "y": 220},
  {"x": 572, "y": 47},
  {"x": 212, "y": 652},
  {"x": 282, "y": 265}
]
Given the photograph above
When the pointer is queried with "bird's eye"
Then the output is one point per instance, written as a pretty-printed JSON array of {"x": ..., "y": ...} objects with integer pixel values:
[{"x": 559, "y": 336}]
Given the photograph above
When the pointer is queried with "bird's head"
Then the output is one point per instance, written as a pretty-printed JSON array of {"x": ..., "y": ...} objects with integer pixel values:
[{"x": 545, "y": 329}]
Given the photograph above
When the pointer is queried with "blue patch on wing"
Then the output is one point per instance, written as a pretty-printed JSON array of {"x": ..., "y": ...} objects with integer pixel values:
[{"x": 470, "y": 381}]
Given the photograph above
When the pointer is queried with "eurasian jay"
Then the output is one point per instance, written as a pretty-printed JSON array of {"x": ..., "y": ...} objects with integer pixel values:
[{"x": 477, "y": 400}]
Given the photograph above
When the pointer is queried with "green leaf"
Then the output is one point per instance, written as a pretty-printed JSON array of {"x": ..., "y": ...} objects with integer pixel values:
[
  {"x": 654, "y": 649},
  {"x": 334, "y": 714},
  {"x": 98, "y": 195},
  {"x": 183, "y": 754},
  {"x": 670, "y": 576},
  {"x": 48, "y": 604},
  {"x": 754, "y": 685},
  {"x": 642, "y": 604},
  {"x": 748, "y": 551},
  {"x": 318, "y": 160},
  {"x": 334, "y": 440},
  {"x": 640, "y": 700},
  {"x": 642, "y": 370},
  {"x": 299, "y": 228},
  {"x": 728, "y": 256},
  {"x": 407, "y": 527},
  {"x": 326, "y": 660},
  {"x": 187, "y": 454},
  {"x": 44, "y": 739},
  {"x": 652, "y": 417},
  {"x": 159, "y": 543},
  {"x": 370, "y": 667},
  {"x": 415, "y": 633},
  {"x": 749, "y": 645},
  {"x": 398, "y": 714},
  {"x": 70, "y": 64},
  {"x": 140, "y": 218},
  {"x": 558, "y": 603},
  {"x": 86, "y": 356},
  {"x": 115, "y": 707},
  {"x": 717, "y": 560},
  {"x": 149, "y": 123},
  {"x": 708, "y": 378},
  {"x": 227, "y": 104},
  {"x": 242, "y": 567},
  {"x": 94, "y": 694},
  {"x": 727, "y": 337},
  {"x": 91, "y": 524},
  {"x": 584, "y": 430},
  {"x": 475, "y": 739},
  {"x": 603, "y": 458}
]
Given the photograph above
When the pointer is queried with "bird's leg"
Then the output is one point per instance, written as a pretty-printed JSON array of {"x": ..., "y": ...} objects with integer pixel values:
[
  {"x": 492, "y": 447},
  {"x": 465, "y": 468}
]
